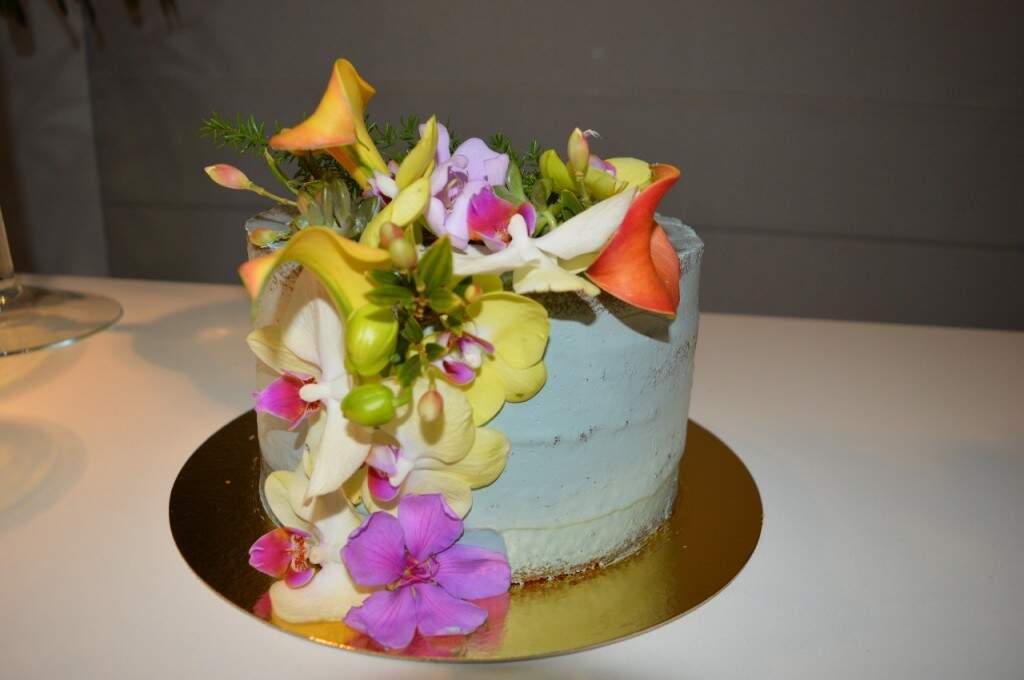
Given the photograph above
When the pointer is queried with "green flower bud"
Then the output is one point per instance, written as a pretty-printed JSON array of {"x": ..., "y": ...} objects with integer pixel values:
[
  {"x": 430, "y": 405},
  {"x": 370, "y": 405},
  {"x": 473, "y": 291},
  {"x": 403, "y": 253},
  {"x": 390, "y": 232},
  {"x": 371, "y": 333},
  {"x": 579, "y": 152},
  {"x": 552, "y": 168}
]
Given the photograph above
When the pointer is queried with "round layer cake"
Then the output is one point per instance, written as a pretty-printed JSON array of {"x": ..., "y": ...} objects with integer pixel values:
[{"x": 594, "y": 455}]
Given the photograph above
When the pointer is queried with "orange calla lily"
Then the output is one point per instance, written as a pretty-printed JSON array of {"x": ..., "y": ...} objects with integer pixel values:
[
  {"x": 337, "y": 125},
  {"x": 639, "y": 265}
]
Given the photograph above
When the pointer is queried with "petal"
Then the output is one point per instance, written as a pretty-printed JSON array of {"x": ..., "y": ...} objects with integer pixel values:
[
  {"x": 444, "y": 148},
  {"x": 517, "y": 326},
  {"x": 456, "y": 371},
  {"x": 447, "y": 438},
  {"x": 469, "y": 572},
  {"x": 333, "y": 123},
  {"x": 550, "y": 278},
  {"x": 421, "y": 158},
  {"x": 340, "y": 263},
  {"x": 444, "y": 481},
  {"x": 284, "y": 492},
  {"x": 268, "y": 345},
  {"x": 637, "y": 262},
  {"x": 435, "y": 216},
  {"x": 487, "y": 213},
  {"x": 429, "y": 524},
  {"x": 486, "y": 395},
  {"x": 281, "y": 399},
  {"x": 337, "y": 454},
  {"x": 484, "y": 462},
  {"x": 382, "y": 457},
  {"x": 327, "y": 597},
  {"x": 457, "y": 221},
  {"x": 387, "y": 616},
  {"x": 299, "y": 578},
  {"x": 520, "y": 383},
  {"x": 589, "y": 231},
  {"x": 375, "y": 552},
  {"x": 380, "y": 487},
  {"x": 441, "y": 614},
  {"x": 270, "y": 553},
  {"x": 482, "y": 162}
]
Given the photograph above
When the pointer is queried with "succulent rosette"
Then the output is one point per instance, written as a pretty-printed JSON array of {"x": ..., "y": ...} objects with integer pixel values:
[{"x": 411, "y": 324}]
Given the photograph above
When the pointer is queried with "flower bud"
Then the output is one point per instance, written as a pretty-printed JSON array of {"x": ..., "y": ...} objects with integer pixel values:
[
  {"x": 403, "y": 253},
  {"x": 228, "y": 176},
  {"x": 371, "y": 334},
  {"x": 390, "y": 232},
  {"x": 370, "y": 405},
  {"x": 473, "y": 291},
  {"x": 579, "y": 152},
  {"x": 262, "y": 237},
  {"x": 431, "y": 405}
]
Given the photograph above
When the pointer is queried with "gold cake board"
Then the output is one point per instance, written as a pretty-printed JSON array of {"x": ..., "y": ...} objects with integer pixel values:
[{"x": 216, "y": 514}]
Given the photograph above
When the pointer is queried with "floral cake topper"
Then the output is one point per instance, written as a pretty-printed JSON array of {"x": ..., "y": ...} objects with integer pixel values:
[{"x": 408, "y": 328}]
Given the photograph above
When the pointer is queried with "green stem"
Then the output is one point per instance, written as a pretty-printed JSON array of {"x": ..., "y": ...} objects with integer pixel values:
[
  {"x": 275, "y": 169},
  {"x": 274, "y": 197}
]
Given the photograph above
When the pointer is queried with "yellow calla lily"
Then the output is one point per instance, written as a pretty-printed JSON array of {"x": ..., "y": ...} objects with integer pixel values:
[
  {"x": 341, "y": 265},
  {"x": 337, "y": 125},
  {"x": 419, "y": 162}
]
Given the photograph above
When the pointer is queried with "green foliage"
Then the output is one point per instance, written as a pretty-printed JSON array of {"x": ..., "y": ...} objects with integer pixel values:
[{"x": 244, "y": 135}]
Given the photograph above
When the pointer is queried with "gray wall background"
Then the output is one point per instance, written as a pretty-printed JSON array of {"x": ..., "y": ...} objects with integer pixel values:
[{"x": 859, "y": 160}]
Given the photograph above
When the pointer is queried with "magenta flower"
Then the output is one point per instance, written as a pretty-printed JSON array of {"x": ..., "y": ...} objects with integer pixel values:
[
  {"x": 489, "y": 216},
  {"x": 464, "y": 357},
  {"x": 424, "y": 575},
  {"x": 282, "y": 398},
  {"x": 284, "y": 553}
]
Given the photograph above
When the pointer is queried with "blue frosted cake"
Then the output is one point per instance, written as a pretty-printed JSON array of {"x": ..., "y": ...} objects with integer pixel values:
[{"x": 475, "y": 364}]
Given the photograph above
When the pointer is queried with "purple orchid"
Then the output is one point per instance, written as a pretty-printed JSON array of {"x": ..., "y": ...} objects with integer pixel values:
[
  {"x": 424, "y": 576},
  {"x": 282, "y": 398},
  {"x": 463, "y": 204},
  {"x": 464, "y": 357},
  {"x": 284, "y": 553}
]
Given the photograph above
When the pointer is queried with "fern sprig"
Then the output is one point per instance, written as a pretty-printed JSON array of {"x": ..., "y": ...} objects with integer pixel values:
[{"x": 245, "y": 135}]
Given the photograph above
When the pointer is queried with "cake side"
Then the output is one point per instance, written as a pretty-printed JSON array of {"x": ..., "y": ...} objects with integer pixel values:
[{"x": 592, "y": 467}]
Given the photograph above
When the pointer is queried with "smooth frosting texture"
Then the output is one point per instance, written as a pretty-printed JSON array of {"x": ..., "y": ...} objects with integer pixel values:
[{"x": 592, "y": 469}]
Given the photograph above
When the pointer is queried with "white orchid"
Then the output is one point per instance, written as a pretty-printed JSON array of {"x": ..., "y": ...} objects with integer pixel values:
[{"x": 553, "y": 262}]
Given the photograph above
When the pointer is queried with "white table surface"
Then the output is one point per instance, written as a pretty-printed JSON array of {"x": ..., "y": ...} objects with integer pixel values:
[{"x": 890, "y": 461}]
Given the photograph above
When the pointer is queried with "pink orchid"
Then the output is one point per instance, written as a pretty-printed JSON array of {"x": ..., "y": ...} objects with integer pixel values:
[
  {"x": 282, "y": 398},
  {"x": 464, "y": 357},
  {"x": 424, "y": 576},
  {"x": 489, "y": 217},
  {"x": 458, "y": 178},
  {"x": 284, "y": 553}
]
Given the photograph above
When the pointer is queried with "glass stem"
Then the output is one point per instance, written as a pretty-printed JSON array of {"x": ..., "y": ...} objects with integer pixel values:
[{"x": 9, "y": 287}]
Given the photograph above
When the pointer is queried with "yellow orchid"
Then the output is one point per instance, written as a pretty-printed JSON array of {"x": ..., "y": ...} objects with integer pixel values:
[
  {"x": 447, "y": 455},
  {"x": 498, "y": 356}
]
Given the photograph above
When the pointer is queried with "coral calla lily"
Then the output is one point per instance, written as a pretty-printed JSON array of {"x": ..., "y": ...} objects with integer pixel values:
[
  {"x": 324, "y": 523},
  {"x": 551, "y": 262},
  {"x": 639, "y": 265},
  {"x": 310, "y": 342},
  {"x": 341, "y": 264},
  {"x": 338, "y": 126}
]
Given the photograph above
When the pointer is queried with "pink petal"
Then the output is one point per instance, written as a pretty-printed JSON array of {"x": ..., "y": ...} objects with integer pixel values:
[
  {"x": 456, "y": 223},
  {"x": 441, "y": 614},
  {"x": 263, "y": 608},
  {"x": 436, "y": 215},
  {"x": 529, "y": 216},
  {"x": 470, "y": 572},
  {"x": 456, "y": 371},
  {"x": 281, "y": 398},
  {"x": 488, "y": 347},
  {"x": 380, "y": 486},
  {"x": 387, "y": 616},
  {"x": 375, "y": 552},
  {"x": 496, "y": 170},
  {"x": 488, "y": 214},
  {"x": 483, "y": 162},
  {"x": 296, "y": 578},
  {"x": 271, "y": 553},
  {"x": 430, "y": 526}
]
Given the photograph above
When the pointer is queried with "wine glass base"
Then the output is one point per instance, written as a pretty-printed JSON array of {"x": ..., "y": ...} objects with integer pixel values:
[{"x": 41, "y": 318}]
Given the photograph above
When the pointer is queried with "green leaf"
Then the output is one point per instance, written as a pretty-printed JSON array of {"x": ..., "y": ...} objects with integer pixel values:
[
  {"x": 515, "y": 182},
  {"x": 435, "y": 266},
  {"x": 389, "y": 295},
  {"x": 413, "y": 332},
  {"x": 386, "y": 277},
  {"x": 434, "y": 351},
  {"x": 442, "y": 300},
  {"x": 571, "y": 203},
  {"x": 404, "y": 396},
  {"x": 410, "y": 370}
]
